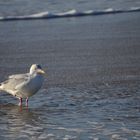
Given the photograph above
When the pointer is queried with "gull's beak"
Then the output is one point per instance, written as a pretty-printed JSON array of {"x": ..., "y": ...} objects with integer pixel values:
[{"x": 39, "y": 71}]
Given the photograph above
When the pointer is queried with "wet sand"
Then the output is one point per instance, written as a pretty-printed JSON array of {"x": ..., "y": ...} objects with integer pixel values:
[
  {"x": 93, "y": 78},
  {"x": 74, "y": 51}
]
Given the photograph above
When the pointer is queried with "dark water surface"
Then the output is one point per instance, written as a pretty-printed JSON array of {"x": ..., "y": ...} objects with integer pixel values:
[{"x": 92, "y": 90}]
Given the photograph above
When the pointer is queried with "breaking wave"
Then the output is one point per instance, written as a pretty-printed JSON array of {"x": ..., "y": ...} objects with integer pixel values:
[{"x": 71, "y": 13}]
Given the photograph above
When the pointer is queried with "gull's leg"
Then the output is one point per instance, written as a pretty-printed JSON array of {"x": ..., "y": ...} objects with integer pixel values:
[
  {"x": 27, "y": 101},
  {"x": 20, "y": 101}
]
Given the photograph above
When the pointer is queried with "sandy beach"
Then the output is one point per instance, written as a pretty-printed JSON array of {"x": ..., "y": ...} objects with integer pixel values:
[{"x": 92, "y": 66}]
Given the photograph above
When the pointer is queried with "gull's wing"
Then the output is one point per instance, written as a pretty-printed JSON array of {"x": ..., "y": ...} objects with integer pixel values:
[
  {"x": 18, "y": 76},
  {"x": 13, "y": 81}
]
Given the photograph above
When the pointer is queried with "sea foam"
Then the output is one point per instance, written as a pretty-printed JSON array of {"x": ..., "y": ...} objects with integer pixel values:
[{"x": 70, "y": 13}]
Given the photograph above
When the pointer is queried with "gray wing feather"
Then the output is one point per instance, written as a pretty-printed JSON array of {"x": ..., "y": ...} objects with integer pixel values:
[
  {"x": 18, "y": 76},
  {"x": 14, "y": 80}
]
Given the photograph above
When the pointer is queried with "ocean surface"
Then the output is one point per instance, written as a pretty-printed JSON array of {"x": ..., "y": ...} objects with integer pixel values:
[
  {"x": 90, "y": 50},
  {"x": 34, "y": 9}
]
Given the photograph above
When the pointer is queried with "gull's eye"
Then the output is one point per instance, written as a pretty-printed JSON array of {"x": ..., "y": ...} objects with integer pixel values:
[{"x": 39, "y": 67}]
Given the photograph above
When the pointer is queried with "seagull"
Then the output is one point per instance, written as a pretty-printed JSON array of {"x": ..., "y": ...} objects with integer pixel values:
[{"x": 24, "y": 85}]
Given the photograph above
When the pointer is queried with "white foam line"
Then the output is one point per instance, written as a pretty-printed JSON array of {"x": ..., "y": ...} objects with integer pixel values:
[{"x": 71, "y": 13}]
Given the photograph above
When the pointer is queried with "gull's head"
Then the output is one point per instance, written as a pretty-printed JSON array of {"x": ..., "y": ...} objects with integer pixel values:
[{"x": 36, "y": 68}]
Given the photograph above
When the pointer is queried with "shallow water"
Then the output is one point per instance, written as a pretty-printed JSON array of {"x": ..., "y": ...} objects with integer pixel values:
[{"x": 108, "y": 111}]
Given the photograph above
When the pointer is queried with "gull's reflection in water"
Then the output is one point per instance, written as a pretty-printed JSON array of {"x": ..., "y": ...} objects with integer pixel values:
[{"x": 19, "y": 122}]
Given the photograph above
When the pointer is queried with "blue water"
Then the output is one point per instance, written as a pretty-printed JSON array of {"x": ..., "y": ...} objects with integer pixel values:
[{"x": 34, "y": 9}]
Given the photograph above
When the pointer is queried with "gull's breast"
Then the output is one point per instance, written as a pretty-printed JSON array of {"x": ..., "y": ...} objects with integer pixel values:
[{"x": 32, "y": 86}]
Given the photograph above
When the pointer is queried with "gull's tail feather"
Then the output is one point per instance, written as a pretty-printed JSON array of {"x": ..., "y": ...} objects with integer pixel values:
[
  {"x": 2, "y": 89},
  {"x": 1, "y": 86}
]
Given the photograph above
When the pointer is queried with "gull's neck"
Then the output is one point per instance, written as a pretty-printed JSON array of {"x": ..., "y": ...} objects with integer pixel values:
[{"x": 32, "y": 72}]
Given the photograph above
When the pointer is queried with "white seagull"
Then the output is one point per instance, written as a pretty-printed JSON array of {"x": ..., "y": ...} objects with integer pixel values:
[{"x": 24, "y": 85}]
